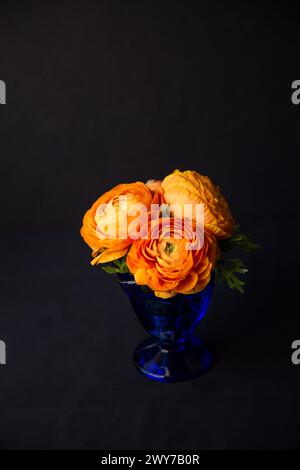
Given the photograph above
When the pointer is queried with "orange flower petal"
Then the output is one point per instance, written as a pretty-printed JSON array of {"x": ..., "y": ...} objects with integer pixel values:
[{"x": 108, "y": 255}]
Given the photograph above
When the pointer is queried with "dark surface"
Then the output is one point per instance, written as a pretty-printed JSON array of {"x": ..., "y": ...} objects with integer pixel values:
[
  {"x": 124, "y": 91},
  {"x": 70, "y": 381}
]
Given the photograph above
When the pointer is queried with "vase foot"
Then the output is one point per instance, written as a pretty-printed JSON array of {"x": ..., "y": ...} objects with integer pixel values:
[{"x": 166, "y": 365}]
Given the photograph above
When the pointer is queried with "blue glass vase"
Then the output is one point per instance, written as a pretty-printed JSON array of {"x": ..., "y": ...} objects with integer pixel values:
[{"x": 172, "y": 353}]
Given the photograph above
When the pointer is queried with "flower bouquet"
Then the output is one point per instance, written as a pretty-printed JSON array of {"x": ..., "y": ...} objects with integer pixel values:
[{"x": 165, "y": 241}]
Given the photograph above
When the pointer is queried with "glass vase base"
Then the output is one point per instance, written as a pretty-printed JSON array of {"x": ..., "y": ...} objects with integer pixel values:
[{"x": 172, "y": 365}]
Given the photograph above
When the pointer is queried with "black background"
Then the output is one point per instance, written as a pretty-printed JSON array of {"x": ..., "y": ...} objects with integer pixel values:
[{"x": 105, "y": 92}]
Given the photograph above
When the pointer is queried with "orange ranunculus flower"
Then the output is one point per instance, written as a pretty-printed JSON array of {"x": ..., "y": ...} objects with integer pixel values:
[
  {"x": 183, "y": 187},
  {"x": 156, "y": 191},
  {"x": 168, "y": 264},
  {"x": 104, "y": 229}
]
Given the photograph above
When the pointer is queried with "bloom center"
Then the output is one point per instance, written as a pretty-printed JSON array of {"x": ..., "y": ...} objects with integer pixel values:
[{"x": 169, "y": 248}]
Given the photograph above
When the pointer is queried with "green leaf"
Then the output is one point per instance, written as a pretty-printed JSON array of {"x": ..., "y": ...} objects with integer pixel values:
[
  {"x": 226, "y": 271},
  {"x": 118, "y": 266},
  {"x": 109, "y": 269},
  {"x": 238, "y": 240}
]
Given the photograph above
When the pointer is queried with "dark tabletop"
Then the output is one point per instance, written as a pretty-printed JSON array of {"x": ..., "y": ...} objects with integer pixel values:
[{"x": 70, "y": 382}]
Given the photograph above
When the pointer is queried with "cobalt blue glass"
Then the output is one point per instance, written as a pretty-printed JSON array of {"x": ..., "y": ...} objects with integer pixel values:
[{"x": 172, "y": 353}]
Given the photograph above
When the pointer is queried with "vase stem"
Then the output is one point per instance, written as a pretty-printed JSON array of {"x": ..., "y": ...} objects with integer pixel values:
[{"x": 172, "y": 363}]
